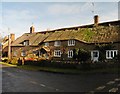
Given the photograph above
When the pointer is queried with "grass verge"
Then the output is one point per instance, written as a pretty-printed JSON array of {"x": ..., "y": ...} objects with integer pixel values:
[
  {"x": 64, "y": 71},
  {"x": 68, "y": 71},
  {"x": 8, "y": 64}
]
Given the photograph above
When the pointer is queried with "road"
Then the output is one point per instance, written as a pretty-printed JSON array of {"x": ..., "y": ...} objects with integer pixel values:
[{"x": 18, "y": 80}]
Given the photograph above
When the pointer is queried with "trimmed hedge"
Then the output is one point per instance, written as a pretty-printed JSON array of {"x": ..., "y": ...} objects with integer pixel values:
[{"x": 81, "y": 66}]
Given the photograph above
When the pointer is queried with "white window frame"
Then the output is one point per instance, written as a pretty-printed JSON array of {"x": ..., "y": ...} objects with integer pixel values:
[
  {"x": 71, "y": 42},
  {"x": 92, "y": 55},
  {"x": 70, "y": 54},
  {"x": 57, "y": 53},
  {"x": 95, "y": 52},
  {"x": 26, "y": 43},
  {"x": 23, "y": 53},
  {"x": 109, "y": 56},
  {"x": 57, "y": 43},
  {"x": 46, "y": 43}
]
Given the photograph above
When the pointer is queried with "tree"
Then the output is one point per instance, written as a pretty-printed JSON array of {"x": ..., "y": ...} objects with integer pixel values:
[
  {"x": 102, "y": 50},
  {"x": 74, "y": 54},
  {"x": 83, "y": 55}
]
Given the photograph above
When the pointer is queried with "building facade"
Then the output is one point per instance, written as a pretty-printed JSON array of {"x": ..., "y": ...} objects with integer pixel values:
[{"x": 59, "y": 44}]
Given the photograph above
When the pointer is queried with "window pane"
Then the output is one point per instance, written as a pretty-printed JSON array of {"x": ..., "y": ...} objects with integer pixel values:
[
  {"x": 108, "y": 54},
  {"x": 70, "y": 54},
  {"x": 111, "y": 53},
  {"x": 95, "y": 54},
  {"x": 71, "y": 42}
]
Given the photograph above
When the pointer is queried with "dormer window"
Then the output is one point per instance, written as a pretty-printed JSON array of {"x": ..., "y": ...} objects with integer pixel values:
[
  {"x": 71, "y": 42},
  {"x": 47, "y": 44},
  {"x": 26, "y": 43},
  {"x": 57, "y": 43}
]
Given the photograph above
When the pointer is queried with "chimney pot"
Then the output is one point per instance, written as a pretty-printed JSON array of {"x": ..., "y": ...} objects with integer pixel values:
[
  {"x": 12, "y": 36},
  {"x": 32, "y": 29},
  {"x": 96, "y": 20}
]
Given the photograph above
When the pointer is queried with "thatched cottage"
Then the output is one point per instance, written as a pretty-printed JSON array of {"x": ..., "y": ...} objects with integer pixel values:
[{"x": 59, "y": 44}]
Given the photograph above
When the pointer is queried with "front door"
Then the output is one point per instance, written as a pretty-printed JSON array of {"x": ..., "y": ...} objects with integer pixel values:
[{"x": 94, "y": 55}]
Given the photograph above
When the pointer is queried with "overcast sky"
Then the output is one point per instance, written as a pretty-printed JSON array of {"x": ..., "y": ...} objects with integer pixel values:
[{"x": 18, "y": 17}]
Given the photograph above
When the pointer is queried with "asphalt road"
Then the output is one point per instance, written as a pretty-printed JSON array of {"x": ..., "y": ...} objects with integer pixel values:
[{"x": 18, "y": 80}]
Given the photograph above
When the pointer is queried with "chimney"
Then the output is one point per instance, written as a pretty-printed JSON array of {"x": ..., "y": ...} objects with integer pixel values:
[
  {"x": 96, "y": 20},
  {"x": 32, "y": 29},
  {"x": 9, "y": 47},
  {"x": 12, "y": 36}
]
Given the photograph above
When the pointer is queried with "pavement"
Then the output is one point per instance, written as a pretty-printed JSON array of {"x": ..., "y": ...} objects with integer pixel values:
[{"x": 18, "y": 80}]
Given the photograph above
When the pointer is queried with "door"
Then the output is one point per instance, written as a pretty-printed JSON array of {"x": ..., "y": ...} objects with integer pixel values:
[{"x": 94, "y": 55}]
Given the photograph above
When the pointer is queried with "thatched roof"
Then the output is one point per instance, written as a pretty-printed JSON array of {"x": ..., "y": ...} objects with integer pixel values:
[
  {"x": 103, "y": 33},
  {"x": 34, "y": 39},
  {"x": 88, "y": 35}
]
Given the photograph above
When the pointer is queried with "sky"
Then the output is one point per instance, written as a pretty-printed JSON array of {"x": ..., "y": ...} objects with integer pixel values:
[{"x": 19, "y": 16}]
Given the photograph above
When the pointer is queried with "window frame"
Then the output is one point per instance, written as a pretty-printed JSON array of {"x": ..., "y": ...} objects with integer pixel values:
[
  {"x": 57, "y": 43},
  {"x": 57, "y": 53},
  {"x": 23, "y": 53},
  {"x": 70, "y": 54},
  {"x": 71, "y": 42},
  {"x": 46, "y": 43},
  {"x": 110, "y": 54},
  {"x": 95, "y": 54},
  {"x": 26, "y": 43}
]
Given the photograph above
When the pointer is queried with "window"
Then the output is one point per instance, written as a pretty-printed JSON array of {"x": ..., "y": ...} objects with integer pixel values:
[
  {"x": 47, "y": 44},
  {"x": 39, "y": 54},
  {"x": 110, "y": 54},
  {"x": 57, "y": 53},
  {"x": 70, "y": 54},
  {"x": 57, "y": 43},
  {"x": 71, "y": 42},
  {"x": 15, "y": 53},
  {"x": 26, "y": 43},
  {"x": 23, "y": 53},
  {"x": 95, "y": 54}
]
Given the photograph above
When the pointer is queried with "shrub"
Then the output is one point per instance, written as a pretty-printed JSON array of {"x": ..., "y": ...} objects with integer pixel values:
[
  {"x": 74, "y": 54},
  {"x": 83, "y": 55},
  {"x": 14, "y": 61},
  {"x": 102, "y": 50},
  {"x": 5, "y": 60}
]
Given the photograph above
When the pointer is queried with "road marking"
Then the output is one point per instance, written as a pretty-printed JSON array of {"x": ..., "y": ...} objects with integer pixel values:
[
  {"x": 10, "y": 74},
  {"x": 110, "y": 82},
  {"x": 91, "y": 92},
  {"x": 117, "y": 79},
  {"x": 113, "y": 90},
  {"x": 33, "y": 82},
  {"x": 19, "y": 71},
  {"x": 53, "y": 88},
  {"x": 57, "y": 89},
  {"x": 3, "y": 71},
  {"x": 100, "y": 88},
  {"x": 42, "y": 85}
]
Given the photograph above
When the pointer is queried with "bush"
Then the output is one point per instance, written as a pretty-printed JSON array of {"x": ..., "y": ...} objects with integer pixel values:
[
  {"x": 83, "y": 55},
  {"x": 47, "y": 63},
  {"x": 5, "y": 60},
  {"x": 102, "y": 50},
  {"x": 14, "y": 61}
]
